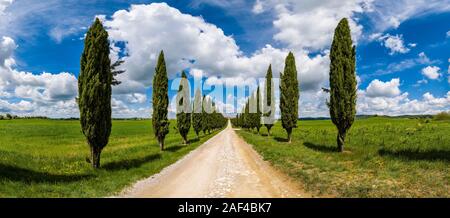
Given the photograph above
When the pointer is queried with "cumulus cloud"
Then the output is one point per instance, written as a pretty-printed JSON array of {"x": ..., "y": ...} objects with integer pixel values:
[
  {"x": 431, "y": 72},
  {"x": 191, "y": 42},
  {"x": 379, "y": 88},
  {"x": 310, "y": 24},
  {"x": 401, "y": 104},
  {"x": 395, "y": 43},
  {"x": 43, "y": 94}
]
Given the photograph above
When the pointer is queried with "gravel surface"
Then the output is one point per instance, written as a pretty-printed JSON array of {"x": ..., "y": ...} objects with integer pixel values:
[{"x": 224, "y": 166}]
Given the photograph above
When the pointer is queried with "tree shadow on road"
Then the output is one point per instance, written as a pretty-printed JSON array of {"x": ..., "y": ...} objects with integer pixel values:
[
  {"x": 321, "y": 148},
  {"x": 19, "y": 174},
  {"x": 414, "y": 154},
  {"x": 131, "y": 163}
]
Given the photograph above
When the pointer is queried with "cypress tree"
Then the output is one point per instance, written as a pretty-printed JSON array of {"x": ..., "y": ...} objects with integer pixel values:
[
  {"x": 258, "y": 111},
  {"x": 204, "y": 115},
  {"x": 94, "y": 90},
  {"x": 342, "y": 81},
  {"x": 289, "y": 96},
  {"x": 269, "y": 109},
  {"x": 184, "y": 105},
  {"x": 246, "y": 117},
  {"x": 160, "y": 100},
  {"x": 197, "y": 115}
]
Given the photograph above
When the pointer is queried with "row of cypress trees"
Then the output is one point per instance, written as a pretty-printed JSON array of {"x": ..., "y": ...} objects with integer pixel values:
[
  {"x": 342, "y": 104},
  {"x": 251, "y": 116},
  {"x": 205, "y": 116},
  {"x": 94, "y": 97}
]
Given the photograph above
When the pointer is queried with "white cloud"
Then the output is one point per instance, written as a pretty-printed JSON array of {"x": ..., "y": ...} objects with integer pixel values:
[
  {"x": 378, "y": 88},
  {"x": 405, "y": 64},
  {"x": 431, "y": 72},
  {"x": 401, "y": 104},
  {"x": 394, "y": 43},
  {"x": 448, "y": 34},
  {"x": 7, "y": 47},
  {"x": 184, "y": 37},
  {"x": 310, "y": 24},
  {"x": 258, "y": 8},
  {"x": 5, "y": 4},
  {"x": 387, "y": 14}
]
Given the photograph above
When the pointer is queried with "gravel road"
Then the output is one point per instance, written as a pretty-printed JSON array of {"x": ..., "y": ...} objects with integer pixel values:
[{"x": 224, "y": 166}]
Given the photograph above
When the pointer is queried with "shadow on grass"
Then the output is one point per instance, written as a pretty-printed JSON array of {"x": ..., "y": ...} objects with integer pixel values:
[
  {"x": 129, "y": 164},
  {"x": 321, "y": 148},
  {"x": 18, "y": 174},
  {"x": 279, "y": 139},
  {"x": 190, "y": 141},
  {"x": 412, "y": 154},
  {"x": 175, "y": 148}
]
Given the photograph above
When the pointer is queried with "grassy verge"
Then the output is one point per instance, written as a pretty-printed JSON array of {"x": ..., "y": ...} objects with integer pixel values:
[
  {"x": 384, "y": 157},
  {"x": 46, "y": 158}
]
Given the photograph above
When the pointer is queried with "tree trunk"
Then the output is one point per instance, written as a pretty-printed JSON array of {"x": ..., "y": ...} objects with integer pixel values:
[
  {"x": 161, "y": 144},
  {"x": 185, "y": 141},
  {"x": 289, "y": 132},
  {"x": 268, "y": 131},
  {"x": 341, "y": 141},
  {"x": 95, "y": 157}
]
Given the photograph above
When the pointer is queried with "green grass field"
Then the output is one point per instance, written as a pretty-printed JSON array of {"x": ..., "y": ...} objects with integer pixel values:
[
  {"x": 384, "y": 157},
  {"x": 46, "y": 158}
]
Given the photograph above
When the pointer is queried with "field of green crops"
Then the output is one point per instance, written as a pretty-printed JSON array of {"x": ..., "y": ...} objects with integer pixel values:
[
  {"x": 47, "y": 158},
  {"x": 384, "y": 157}
]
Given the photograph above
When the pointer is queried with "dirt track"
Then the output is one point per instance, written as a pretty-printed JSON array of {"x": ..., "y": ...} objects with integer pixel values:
[{"x": 224, "y": 166}]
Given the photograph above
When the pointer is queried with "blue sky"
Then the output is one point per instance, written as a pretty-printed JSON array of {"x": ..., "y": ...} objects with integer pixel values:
[{"x": 403, "y": 53}]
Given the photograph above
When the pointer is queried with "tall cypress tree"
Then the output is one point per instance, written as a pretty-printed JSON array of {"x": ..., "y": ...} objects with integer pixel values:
[
  {"x": 258, "y": 110},
  {"x": 160, "y": 100},
  {"x": 342, "y": 81},
  {"x": 94, "y": 90},
  {"x": 269, "y": 108},
  {"x": 184, "y": 108},
  {"x": 289, "y": 96},
  {"x": 197, "y": 113}
]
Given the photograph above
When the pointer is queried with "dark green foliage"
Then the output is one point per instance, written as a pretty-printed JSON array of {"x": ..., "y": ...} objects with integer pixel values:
[
  {"x": 94, "y": 89},
  {"x": 269, "y": 112},
  {"x": 184, "y": 108},
  {"x": 442, "y": 116},
  {"x": 342, "y": 81},
  {"x": 197, "y": 113},
  {"x": 204, "y": 115},
  {"x": 160, "y": 101},
  {"x": 289, "y": 96},
  {"x": 257, "y": 115}
]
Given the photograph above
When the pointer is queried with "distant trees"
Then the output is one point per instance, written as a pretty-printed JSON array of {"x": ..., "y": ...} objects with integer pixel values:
[
  {"x": 94, "y": 89},
  {"x": 342, "y": 81},
  {"x": 160, "y": 99},
  {"x": 289, "y": 96},
  {"x": 184, "y": 108},
  {"x": 197, "y": 113}
]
